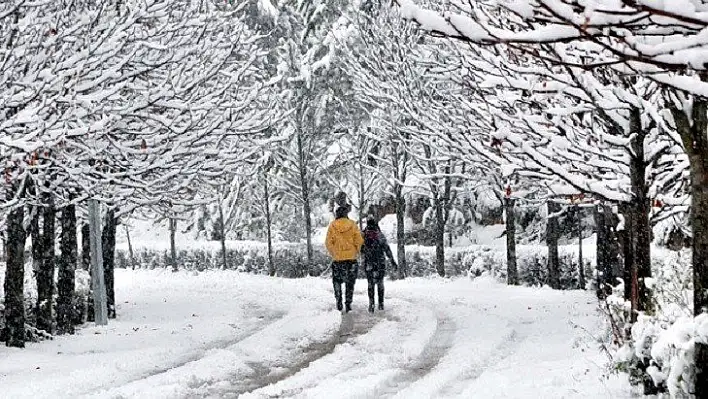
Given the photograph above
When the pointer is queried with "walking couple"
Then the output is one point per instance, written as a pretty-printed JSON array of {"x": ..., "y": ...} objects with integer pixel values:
[{"x": 344, "y": 243}]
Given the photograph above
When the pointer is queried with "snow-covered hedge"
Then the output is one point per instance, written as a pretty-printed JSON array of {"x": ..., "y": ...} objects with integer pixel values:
[
  {"x": 658, "y": 351},
  {"x": 290, "y": 261},
  {"x": 475, "y": 260}
]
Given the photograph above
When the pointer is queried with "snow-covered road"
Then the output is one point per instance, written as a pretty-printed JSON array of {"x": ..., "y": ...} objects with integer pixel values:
[{"x": 223, "y": 334}]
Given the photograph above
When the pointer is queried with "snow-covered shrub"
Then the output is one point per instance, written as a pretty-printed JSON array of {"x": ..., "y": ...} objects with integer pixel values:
[
  {"x": 657, "y": 352},
  {"x": 290, "y": 260}
]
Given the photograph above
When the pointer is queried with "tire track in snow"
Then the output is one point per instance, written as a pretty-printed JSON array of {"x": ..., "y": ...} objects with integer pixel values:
[
  {"x": 501, "y": 352},
  {"x": 437, "y": 347},
  {"x": 352, "y": 325},
  {"x": 268, "y": 317}
]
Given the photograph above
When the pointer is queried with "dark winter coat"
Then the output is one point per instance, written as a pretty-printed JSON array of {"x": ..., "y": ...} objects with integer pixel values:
[{"x": 374, "y": 253}]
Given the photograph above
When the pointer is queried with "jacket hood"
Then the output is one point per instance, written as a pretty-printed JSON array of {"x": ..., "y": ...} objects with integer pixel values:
[{"x": 343, "y": 225}]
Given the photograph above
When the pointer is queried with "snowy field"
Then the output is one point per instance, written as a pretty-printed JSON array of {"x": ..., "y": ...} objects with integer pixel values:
[{"x": 223, "y": 334}]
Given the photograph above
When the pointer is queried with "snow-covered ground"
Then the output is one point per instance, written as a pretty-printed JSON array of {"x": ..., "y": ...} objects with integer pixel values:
[{"x": 225, "y": 334}]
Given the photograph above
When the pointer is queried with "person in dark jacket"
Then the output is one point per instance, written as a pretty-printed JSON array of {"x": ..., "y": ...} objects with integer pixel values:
[
  {"x": 374, "y": 252},
  {"x": 343, "y": 243}
]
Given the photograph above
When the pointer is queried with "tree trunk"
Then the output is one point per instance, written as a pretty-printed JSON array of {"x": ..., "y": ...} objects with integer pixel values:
[
  {"x": 67, "y": 268},
  {"x": 642, "y": 232},
  {"x": 694, "y": 133},
  {"x": 698, "y": 156},
  {"x": 307, "y": 211},
  {"x": 605, "y": 277},
  {"x": 269, "y": 230},
  {"x": 36, "y": 238},
  {"x": 511, "y": 270},
  {"x": 45, "y": 274},
  {"x": 173, "y": 246},
  {"x": 98, "y": 286},
  {"x": 439, "y": 237},
  {"x": 362, "y": 199},
  {"x": 15, "y": 279},
  {"x": 86, "y": 247},
  {"x": 401, "y": 232},
  {"x": 131, "y": 254},
  {"x": 306, "y": 206},
  {"x": 699, "y": 222},
  {"x": 222, "y": 227},
  {"x": 629, "y": 273},
  {"x": 108, "y": 246},
  {"x": 552, "y": 233},
  {"x": 581, "y": 267}
]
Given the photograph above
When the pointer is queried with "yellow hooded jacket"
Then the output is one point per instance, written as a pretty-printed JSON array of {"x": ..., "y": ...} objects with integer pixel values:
[{"x": 344, "y": 240}]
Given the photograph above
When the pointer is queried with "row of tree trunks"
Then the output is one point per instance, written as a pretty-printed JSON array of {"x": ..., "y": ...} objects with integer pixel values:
[{"x": 45, "y": 262}]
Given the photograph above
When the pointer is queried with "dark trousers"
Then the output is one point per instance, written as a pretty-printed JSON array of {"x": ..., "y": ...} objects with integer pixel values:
[
  {"x": 344, "y": 272},
  {"x": 375, "y": 281}
]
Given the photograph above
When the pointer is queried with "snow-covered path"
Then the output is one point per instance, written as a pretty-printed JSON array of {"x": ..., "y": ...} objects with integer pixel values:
[{"x": 223, "y": 335}]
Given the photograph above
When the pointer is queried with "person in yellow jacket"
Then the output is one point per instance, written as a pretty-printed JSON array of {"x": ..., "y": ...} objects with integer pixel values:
[{"x": 343, "y": 243}]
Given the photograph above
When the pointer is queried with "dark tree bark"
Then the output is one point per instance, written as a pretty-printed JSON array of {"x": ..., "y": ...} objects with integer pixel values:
[
  {"x": 362, "y": 199},
  {"x": 67, "y": 268},
  {"x": 173, "y": 246},
  {"x": 86, "y": 265},
  {"x": 640, "y": 207},
  {"x": 511, "y": 270},
  {"x": 552, "y": 235},
  {"x": 222, "y": 240},
  {"x": 15, "y": 280},
  {"x": 439, "y": 235},
  {"x": 131, "y": 254},
  {"x": 607, "y": 251},
  {"x": 694, "y": 134},
  {"x": 36, "y": 237},
  {"x": 401, "y": 231},
  {"x": 628, "y": 265},
  {"x": 269, "y": 227},
  {"x": 306, "y": 206},
  {"x": 85, "y": 247},
  {"x": 108, "y": 249},
  {"x": 581, "y": 267},
  {"x": 45, "y": 274}
]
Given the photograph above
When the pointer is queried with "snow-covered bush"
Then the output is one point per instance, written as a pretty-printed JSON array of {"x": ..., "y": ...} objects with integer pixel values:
[
  {"x": 658, "y": 351},
  {"x": 290, "y": 260}
]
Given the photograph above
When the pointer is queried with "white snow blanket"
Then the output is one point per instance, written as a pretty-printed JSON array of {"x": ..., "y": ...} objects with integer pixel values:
[{"x": 224, "y": 334}]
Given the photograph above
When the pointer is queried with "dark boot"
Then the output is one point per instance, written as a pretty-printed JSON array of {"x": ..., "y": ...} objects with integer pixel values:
[
  {"x": 380, "y": 306},
  {"x": 349, "y": 308}
]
